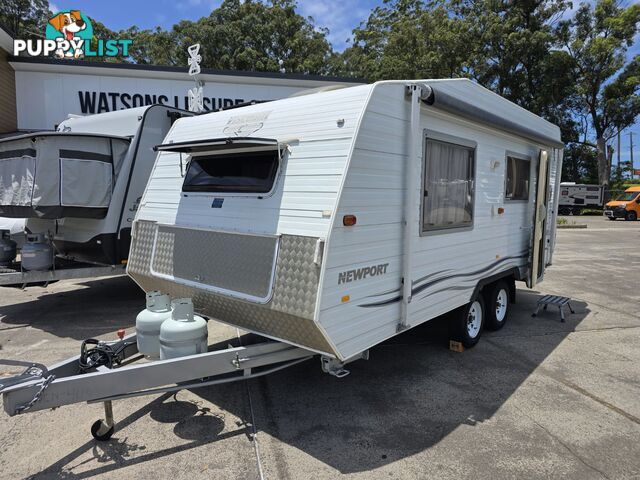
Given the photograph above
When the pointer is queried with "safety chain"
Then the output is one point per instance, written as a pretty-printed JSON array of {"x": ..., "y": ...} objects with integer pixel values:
[{"x": 47, "y": 381}]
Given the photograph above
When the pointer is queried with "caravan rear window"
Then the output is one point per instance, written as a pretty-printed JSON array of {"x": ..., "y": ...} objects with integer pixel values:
[
  {"x": 246, "y": 172},
  {"x": 448, "y": 186},
  {"x": 517, "y": 181}
]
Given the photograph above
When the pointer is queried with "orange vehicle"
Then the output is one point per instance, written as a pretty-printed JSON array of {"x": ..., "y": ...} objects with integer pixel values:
[{"x": 626, "y": 206}]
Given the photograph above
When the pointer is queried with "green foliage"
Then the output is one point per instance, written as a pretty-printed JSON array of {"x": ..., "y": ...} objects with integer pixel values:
[
  {"x": 579, "y": 164},
  {"x": 240, "y": 35},
  {"x": 408, "y": 39},
  {"x": 25, "y": 18},
  {"x": 504, "y": 45}
]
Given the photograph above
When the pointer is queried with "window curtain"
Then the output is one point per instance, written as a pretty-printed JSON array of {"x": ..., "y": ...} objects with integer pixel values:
[{"x": 448, "y": 185}]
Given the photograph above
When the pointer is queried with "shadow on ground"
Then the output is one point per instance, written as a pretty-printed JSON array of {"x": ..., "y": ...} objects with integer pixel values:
[
  {"x": 102, "y": 306},
  {"x": 411, "y": 394}
]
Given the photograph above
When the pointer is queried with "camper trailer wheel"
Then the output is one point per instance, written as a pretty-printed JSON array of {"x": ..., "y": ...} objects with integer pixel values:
[
  {"x": 469, "y": 322},
  {"x": 100, "y": 432},
  {"x": 498, "y": 305}
]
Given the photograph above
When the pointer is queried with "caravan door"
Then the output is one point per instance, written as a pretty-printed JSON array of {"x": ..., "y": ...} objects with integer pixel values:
[{"x": 536, "y": 268}]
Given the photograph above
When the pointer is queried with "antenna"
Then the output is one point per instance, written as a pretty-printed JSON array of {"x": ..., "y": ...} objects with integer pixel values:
[{"x": 196, "y": 94}]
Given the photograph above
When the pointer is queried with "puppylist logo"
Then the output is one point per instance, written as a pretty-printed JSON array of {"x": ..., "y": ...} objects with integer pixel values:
[{"x": 69, "y": 34}]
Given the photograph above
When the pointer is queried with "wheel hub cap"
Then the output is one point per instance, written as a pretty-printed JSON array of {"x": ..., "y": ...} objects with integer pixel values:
[
  {"x": 474, "y": 319},
  {"x": 502, "y": 301}
]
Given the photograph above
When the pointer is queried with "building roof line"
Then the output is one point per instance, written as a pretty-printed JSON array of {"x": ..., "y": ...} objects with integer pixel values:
[{"x": 163, "y": 68}]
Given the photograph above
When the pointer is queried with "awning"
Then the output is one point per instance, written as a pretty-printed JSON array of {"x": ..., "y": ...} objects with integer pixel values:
[
  {"x": 467, "y": 109},
  {"x": 216, "y": 144}
]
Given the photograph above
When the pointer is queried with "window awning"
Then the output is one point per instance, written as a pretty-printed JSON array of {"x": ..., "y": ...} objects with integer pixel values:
[{"x": 216, "y": 144}]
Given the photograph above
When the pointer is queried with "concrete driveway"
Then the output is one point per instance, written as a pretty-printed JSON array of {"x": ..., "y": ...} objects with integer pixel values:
[{"x": 538, "y": 399}]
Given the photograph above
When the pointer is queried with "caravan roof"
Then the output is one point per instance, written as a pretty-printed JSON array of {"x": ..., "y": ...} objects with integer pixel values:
[{"x": 123, "y": 123}]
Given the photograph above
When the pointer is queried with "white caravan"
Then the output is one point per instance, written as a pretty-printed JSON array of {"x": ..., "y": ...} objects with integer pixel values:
[
  {"x": 80, "y": 186},
  {"x": 333, "y": 221},
  {"x": 574, "y": 197}
]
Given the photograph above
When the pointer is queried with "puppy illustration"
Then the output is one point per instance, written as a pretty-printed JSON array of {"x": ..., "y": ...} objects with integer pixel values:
[{"x": 69, "y": 24}]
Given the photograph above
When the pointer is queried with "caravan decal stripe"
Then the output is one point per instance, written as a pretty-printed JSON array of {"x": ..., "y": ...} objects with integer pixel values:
[
  {"x": 422, "y": 279},
  {"x": 425, "y": 286},
  {"x": 470, "y": 274},
  {"x": 383, "y": 302},
  {"x": 384, "y": 293}
]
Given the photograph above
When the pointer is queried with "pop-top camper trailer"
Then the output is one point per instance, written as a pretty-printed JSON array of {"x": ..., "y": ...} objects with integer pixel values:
[
  {"x": 329, "y": 223},
  {"x": 78, "y": 189}
]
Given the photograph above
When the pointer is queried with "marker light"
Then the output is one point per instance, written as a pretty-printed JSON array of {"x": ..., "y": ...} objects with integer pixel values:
[{"x": 349, "y": 220}]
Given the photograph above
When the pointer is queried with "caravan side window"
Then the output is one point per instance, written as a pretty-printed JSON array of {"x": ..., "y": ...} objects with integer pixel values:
[
  {"x": 517, "y": 178},
  {"x": 246, "y": 172},
  {"x": 448, "y": 186}
]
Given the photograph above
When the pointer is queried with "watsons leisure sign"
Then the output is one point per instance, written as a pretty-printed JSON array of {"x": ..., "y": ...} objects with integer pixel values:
[{"x": 100, "y": 102}]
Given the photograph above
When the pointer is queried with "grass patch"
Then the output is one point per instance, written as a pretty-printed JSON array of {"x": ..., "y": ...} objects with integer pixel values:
[{"x": 591, "y": 211}]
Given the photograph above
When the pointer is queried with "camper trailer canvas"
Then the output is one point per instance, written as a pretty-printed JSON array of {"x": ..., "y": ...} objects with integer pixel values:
[
  {"x": 78, "y": 188},
  {"x": 334, "y": 220}
]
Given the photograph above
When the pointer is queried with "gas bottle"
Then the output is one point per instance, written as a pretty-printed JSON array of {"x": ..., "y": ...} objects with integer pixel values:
[
  {"x": 8, "y": 248},
  {"x": 36, "y": 254},
  {"x": 148, "y": 323},
  {"x": 184, "y": 333}
]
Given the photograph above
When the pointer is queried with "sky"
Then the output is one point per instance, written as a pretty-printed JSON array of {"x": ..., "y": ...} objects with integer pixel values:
[{"x": 339, "y": 16}]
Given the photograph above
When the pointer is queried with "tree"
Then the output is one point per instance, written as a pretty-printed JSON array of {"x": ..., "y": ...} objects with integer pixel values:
[
  {"x": 597, "y": 39},
  {"x": 241, "y": 35},
  {"x": 579, "y": 164},
  {"x": 25, "y": 18},
  {"x": 407, "y": 39},
  {"x": 506, "y": 46},
  {"x": 514, "y": 53},
  {"x": 151, "y": 47}
]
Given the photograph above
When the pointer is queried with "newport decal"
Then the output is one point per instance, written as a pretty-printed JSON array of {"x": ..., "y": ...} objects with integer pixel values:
[
  {"x": 69, "y": 34},
  {"x": 360, "y": 273}
]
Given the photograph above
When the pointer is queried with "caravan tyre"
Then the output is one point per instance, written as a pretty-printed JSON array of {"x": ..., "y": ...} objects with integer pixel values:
[
  {"x": 497, "y": 305},
  {"x": 469, "y": 322}
]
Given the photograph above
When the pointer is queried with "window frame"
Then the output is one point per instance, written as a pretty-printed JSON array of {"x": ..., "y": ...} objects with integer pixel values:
[
  {"x": 519, "y": 156},
  {"x": 430, "y": 135},
  {"x": 280, "y": 150}
]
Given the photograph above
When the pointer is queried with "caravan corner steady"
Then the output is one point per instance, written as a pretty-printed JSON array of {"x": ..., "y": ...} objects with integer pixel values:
[
  {"x": 79, "y": 187},
  {"x": 330, "y": 222}
]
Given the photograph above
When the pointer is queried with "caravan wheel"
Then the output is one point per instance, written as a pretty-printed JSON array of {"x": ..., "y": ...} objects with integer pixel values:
[
  {"x": 469, "y": 322},
  {"x": 498, "y": 305}
]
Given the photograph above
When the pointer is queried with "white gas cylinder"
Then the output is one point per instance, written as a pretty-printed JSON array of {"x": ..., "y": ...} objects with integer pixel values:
[
  {"x": 148, "y": 323},
  {"x": 184, "y": 333}
]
